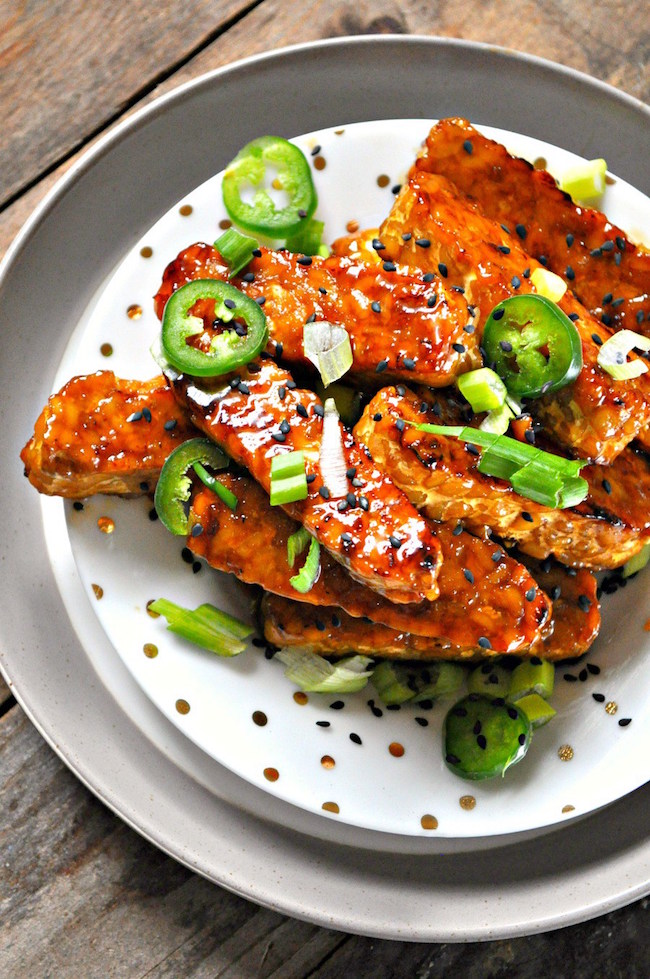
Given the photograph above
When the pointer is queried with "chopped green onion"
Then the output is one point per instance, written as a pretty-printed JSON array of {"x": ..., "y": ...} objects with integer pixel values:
[
  {"x": 224, "y": 494},
  {"x": 289, "y": 490},
  {"x": 332, "y": 462},
  {"x": 392, "y": 681},
  {"x": 531, "y": 677},
  {"x": 235, "y": 249},
  {"x": 348, "y": 401},
  {"x": 313, "y": 674},
  {"x": 324, "y": 251},
  {"x": 612, "y": 356},
  {"x": 296, "y": 544},
  {"x": 538, "y": 475},
  {"x": 205, "y": 626},
  {"x": 308, "y": 240},
  {"x": 288, "y": 478},
  {"x": 498, "y": 420},
  {"x": 585, "y": 181},
  {"x": 305, "y": 579},
  {"x": 638, "y": 562},
  {"x": 489, "y": 678},
  {"x": 287, "y": 464},
  {"x": 327, "y": 346},
  {"x": 536, "y": 710},
  {"x": 483, "y": 388},
  {"x": 548, "y": 284}
]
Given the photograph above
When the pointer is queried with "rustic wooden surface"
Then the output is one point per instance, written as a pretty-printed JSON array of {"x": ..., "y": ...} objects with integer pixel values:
[{"x": 81, "y": 895}]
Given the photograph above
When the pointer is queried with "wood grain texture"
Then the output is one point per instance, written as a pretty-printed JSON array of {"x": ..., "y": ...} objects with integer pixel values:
[
  {"x": 84, "y": 897},
  {"x": 69, "y": 66},
  {"x": 81, "y": 895}
]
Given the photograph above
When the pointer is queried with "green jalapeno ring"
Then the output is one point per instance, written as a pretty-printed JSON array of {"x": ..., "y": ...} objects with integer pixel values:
[
  {"x": 228, "y": 350},
  {"x": 533, "y": 345},
  {"x": 174, "y": 484},
  {"x": 294, "y": 174}
]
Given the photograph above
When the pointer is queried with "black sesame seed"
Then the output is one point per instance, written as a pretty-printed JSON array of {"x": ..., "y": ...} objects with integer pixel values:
[
  {"x": 535, "y": 661},
  {"x": 407, "y": 236},
  {"x": 285, "y": 427},
  {"x": 570, "y": 678},
  {"x": 363, "y": 503},
  {"x": 639, "y": 317},
  {"x": 342, "y": 506},
  {"x": 477, "y": 728},
  {"x": 153, "y": 514},
  {"x": 597, "y": 340},
  {"x": 346, "y": 538},
  {"x": 530, "y": 595},
  {"x": 381, "y": 366},
  {"x": 607, "y": 486},
  {"x": 351, "y": 499},
  {"x": 322, "y": 723},
  {"x": 409, "y": 363},
  {"x": 569, "y": 273},
  {"x": 504, "y": 249},
  {"x": 593, "y": 669},
  {"x": 472, "y": 449},
  {"x": 459, "y": 348},
  {"x": 467, "y": 146},
  {"x": 395, "y": 541},
  {"x": 607, "y": 319},
  {"x": 318, "y": 410},
  {"x": 620, "y": 243},
  {"x": 570, "y": 239},
  {"x": 469, "y": 328},
  {"x": 375, "y": 307},
  {"x": 358, "y": 483},
  {"x": 244, "y": 388},
  {"x": 230, "y": 304},
  {"x": 525, "y": 515},
  {"x": 257, "y": 252},
  {"x": 515, "y": 282},
  {"x": 497, "y": 314},
  {"x": 248, "y": 277},
  {"x": 458, "y": 529},
  {"x": 583, "y": 675},
  {"x": 521, "y": 231},
  {"x": 304, "y": 260},
  {"x": 355, "y": 738},
  {"x": 423, "y": 242},
  {"x": 186, "y": 555},
  {"x": 543, "y": 260},
  {"x": 279, "y": 436},
  {"x": 595, "y": 253},
  {"x": 135, "y": 416},
  {"x": 324, "y": 492},
  {"x": 607, "y": 298},
  {"x": 337, "y": 705},
  {"x": 526, "y": 273},
  {"x": 389, "y": 267},
  {"x": 584, "y": 603},
  {"x": 505, "y": 346},
  {"x": 599, "y": 697},
  {"x": 459, "y": 711},
  {"x": 170, "y": 425},
  {"x": 481, "y": 741},
  {"x": 336, "y": 621},
  {"x": 497, "y": 556},
  {"x": 377, "y": 416},
  {"x": 522, "y": 739},
  {"x": 512, "y": 713},
  {"x": 498, "y": 702},
  {"x": 320, "y": 625},
  {"x": 422, "y": 721},
  {"x": 401, "y": 390},
  {"x": 574, "y": 317},
  {"x": 431, "y": 301},
  {"x": 452, "y": 759},
  {"x": 301, "y": 410},
  {"x": 428, "y": 277},
  {"x": 78, "y": 505},
  {"x": 468, "y": 575},
  {"x": 260, "y": 300},
  {"x": 322, "y": 290},
  {"x": 607, "y": 246},
  {"x": 395, "y": 189},
  {"x": 196, "y": 530},
  {"x": 442, "y": 268},
  {"x": 556, "y": 591},
  {"x": 400, "y": 424},
  {"x": 624, "y": 721},
  {"x": 484, "y": 642}
]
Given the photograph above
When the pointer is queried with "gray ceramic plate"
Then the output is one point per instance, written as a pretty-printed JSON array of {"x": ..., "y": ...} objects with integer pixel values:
[{"x": 71, "y": 683}]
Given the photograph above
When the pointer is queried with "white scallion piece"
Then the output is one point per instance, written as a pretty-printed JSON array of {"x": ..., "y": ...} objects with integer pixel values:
[
  {"x": 313, "y": 674},
  {"x": 333, "y": 466},
  {"x": 612, "y": 356},
  {"x": 548, "y": 284},
  {"x": 327, "y": 346}
]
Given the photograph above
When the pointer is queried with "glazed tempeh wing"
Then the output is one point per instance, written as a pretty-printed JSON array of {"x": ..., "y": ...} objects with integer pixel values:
[
  {"x": 487, "y": 600},
  {"x": 608, "y": 273},
  {"x": 101, "y": 434},
  {"x": 572, "y": 629},
  {"x": 373, "y": 530},
  {"x": 595, "y": 417},
  {"x": 396, "y": 320},
  {"x": 440, "y": 476}
]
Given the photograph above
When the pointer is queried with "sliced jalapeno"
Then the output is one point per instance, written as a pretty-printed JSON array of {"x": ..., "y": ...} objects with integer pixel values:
[
  {"x": 292, "y": 175},
  {"x": 231, "y": 347},
  {"x": 484, "y": 736},
  {"x": 533, "y": 345},
  {"x": 174, "y": 485}
]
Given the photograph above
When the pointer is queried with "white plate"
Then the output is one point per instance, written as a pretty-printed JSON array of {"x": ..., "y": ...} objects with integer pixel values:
[
  {"x": 321, "y": 769},
  {"x": 70, "y": 682}
]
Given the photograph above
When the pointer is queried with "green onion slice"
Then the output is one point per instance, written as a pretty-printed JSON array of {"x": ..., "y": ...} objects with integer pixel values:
[
  {"x": 288, "y": 478},
  {"x": 306, "y": 577},
  {"x": 541, "y": 476},
  {"x": 296, "y": 544},
  {"x": 638, "y": 562},
  {"x": 308, "y": 240},
  {"x": 313, "y": 674},
  {"x": 498, "y": 420},
  {"x": 585, "y": 181},
  {"x": 332, "y": 462},
  {"x": 612, "y": 356},
  {"x": 235, "y": 249},
  {"x": 225, "y": 495},
  {"x": 327, "y": 346},
  {"x": 483, "y": 388},
  {"x": 205, "y": 626}
]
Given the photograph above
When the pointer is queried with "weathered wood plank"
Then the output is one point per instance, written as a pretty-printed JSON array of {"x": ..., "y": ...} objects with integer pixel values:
[
  {"x": 69, "y": 66},
  {"x": 5, "y": 692}
]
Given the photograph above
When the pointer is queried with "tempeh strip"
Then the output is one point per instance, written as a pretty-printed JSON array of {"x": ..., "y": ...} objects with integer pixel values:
[
  {"x": 373, "y": 531},
  {"x": 481, "y": 597}
]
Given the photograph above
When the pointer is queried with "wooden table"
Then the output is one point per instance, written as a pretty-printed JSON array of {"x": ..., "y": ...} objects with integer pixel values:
[{"x": 81, "y": 895}]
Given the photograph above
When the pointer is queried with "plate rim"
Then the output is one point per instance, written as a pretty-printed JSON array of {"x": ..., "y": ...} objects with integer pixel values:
[{"x": 68, "y": 753}]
